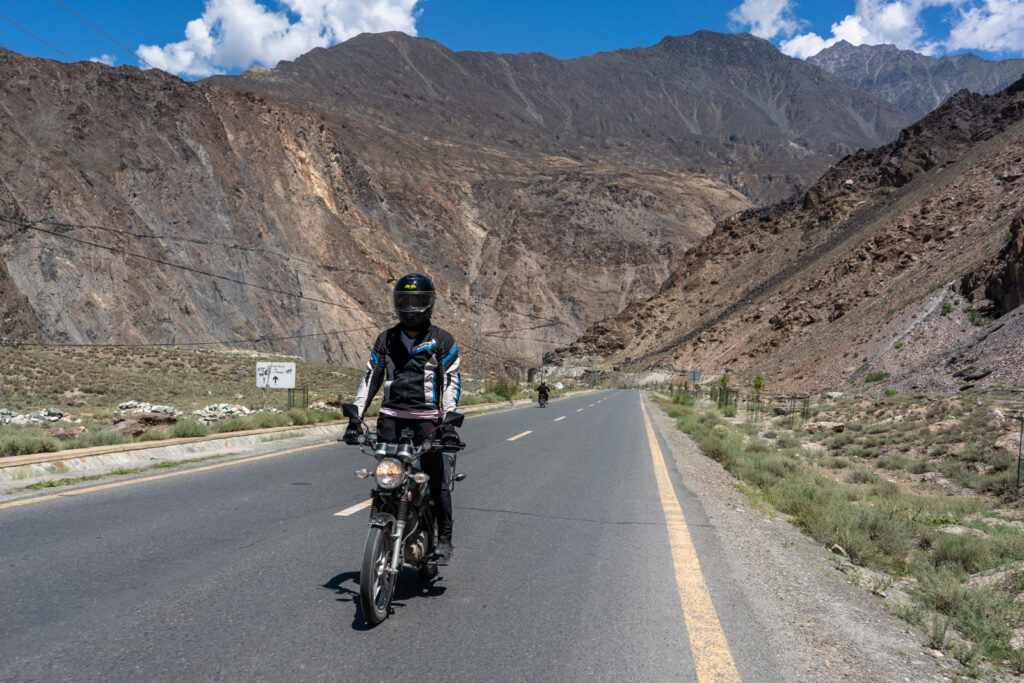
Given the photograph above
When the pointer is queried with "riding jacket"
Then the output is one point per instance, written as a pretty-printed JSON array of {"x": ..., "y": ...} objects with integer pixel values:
[{"x": 422, "y": 378}]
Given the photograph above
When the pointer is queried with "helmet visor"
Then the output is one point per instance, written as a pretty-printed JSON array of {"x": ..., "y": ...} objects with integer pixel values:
[{"x": 413, "y": 302}]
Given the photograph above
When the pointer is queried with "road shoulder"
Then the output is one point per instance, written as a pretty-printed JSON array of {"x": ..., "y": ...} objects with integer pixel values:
[{"x": 823, "y": 628}]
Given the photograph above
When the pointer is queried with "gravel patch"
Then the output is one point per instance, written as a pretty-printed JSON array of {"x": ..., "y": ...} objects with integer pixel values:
[{"x": 825, "y": 628}]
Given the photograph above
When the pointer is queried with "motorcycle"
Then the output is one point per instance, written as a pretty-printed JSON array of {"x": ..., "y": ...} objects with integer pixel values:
[
  {"x": 543, "y": 401},
  {"x": 403, "y": 530}
]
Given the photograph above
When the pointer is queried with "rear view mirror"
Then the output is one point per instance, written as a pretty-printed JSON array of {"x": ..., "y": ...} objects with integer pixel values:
[
  {"x": 454, "y": 419},
  {"x": 350, "y": 411}
]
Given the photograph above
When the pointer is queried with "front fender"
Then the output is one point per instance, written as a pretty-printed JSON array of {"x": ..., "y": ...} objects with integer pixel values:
[{"x": 383, "y": 520}]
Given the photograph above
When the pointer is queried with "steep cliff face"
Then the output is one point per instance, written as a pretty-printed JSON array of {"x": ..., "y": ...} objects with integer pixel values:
[
  {"x": 124, "y": 191},
  {"x": 862, "y": 275}
]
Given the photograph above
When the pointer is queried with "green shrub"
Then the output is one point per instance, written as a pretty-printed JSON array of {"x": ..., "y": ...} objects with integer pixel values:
[
  {"x": 505, "y": 387},
  {"x": 876, "y": 376},
  {"x": 188, "y": 428},
  {"x": 155, "y": 435},
  {"x": 788, "y": 441},
  {"x": 859, "y": 475},
  {"x": 960, "y": 550},
  {"x": 979, "y": 320},
  {"x": 27, "y": 445},
  {"x": 104, "y": 437}
]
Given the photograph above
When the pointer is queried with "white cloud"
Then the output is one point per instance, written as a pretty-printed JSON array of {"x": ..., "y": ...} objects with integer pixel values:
[
  {"x": 104, "y": 59},
  {"x": 765, "y": 18},
  {"x": 234, "y": 34},
  {"x": 994, "y": 25},
  {"x": 990, "y": 25}
]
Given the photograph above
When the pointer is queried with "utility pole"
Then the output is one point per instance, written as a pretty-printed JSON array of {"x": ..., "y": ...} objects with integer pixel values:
[{"x": 479, "y": 331}]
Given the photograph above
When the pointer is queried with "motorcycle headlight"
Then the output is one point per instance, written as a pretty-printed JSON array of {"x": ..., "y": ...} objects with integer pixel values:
[{"x": 388, "y": 473}]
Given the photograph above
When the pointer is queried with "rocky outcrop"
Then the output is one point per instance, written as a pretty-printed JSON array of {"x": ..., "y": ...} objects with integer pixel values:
[{"x": 1002, "y": 278}]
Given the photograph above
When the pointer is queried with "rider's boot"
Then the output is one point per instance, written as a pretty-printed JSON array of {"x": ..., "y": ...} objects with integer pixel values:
[{"x": 444, "y": 551}]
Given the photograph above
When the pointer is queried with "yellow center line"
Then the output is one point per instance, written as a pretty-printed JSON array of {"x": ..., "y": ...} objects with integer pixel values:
[
  {"x": 168, "y": 475},
  {"x": 354, "y": 509},
  {"x": 711, "y": 655},
  {"x": 591, "y": 405},
  {"x": 580, "y": 410},
  {"x": 559, "y": 419},
  {"x": 519, "y": 436}
]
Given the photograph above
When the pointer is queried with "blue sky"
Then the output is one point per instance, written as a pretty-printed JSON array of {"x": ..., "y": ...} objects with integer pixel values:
[{"x": 195, "y": 38}]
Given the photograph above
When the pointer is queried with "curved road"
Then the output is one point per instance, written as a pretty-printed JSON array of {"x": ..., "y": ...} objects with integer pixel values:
[{"x": 577, "y": 556}]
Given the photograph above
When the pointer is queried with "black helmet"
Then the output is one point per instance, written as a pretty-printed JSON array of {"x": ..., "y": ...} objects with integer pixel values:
[{"x": 414, "y": 300}]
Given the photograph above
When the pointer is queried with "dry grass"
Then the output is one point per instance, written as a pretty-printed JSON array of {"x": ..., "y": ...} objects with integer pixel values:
[{"x": 868, "y": 492}]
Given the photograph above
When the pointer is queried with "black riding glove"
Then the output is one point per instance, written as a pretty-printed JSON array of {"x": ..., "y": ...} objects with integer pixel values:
[
  {"x": 447, "y": 435},
  {"x": 352, "y": 433}
]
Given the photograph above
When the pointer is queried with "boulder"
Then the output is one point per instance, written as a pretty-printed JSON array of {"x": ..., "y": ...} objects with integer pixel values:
[
  {"x": 67, "y": 433},
  {"x": 815, "y": 427}
]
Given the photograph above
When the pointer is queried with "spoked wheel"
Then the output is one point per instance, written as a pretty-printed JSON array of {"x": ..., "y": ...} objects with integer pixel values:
[{"x": 376, "y": 583}]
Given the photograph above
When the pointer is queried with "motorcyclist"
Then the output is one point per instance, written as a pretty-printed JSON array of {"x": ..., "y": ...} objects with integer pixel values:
[
  {"x": 542, "y": 392},
  {"x": 418, "y": 365}
]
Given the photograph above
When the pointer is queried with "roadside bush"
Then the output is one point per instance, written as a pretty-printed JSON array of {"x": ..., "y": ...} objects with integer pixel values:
[
  {"x": 27, "y": 445},
  {"x": 104, "y": 437},
  {"x": 505, "y": 387},
  {"x": 188, "y": 428},
  {"x": 155, "y": 435},
  {"x": 876, "y": 376}
]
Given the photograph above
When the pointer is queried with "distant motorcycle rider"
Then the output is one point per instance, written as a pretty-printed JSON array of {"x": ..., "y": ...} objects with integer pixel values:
[
  {"x": 542, "y": 392},
  {"x": 418, "y": 365}
]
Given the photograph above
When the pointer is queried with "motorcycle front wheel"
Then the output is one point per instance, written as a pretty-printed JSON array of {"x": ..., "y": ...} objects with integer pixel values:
[{"x": 376, "y": 583}]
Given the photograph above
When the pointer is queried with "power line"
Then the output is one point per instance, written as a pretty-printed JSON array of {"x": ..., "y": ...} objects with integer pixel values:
[
  {"x": 69, "y": 57},
  {"x": 109, "y": 37},
  {"x": 192, "y": 240},
  {"x": 225, "y": 342},
  {"x": 117, "y": 250}
]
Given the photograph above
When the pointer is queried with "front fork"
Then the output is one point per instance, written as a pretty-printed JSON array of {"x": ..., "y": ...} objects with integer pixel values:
[{"x": 399, "y": 546}]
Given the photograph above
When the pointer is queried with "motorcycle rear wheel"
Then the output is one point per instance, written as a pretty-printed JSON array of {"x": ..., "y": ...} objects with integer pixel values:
[{"x": 376, "y": 583}]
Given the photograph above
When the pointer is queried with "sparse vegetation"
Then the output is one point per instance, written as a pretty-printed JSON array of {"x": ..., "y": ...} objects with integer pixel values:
[
  {"x": 978, "y": 319},
  {"x": 876, "y": 376},
  {"x": 903, "y": 524}
]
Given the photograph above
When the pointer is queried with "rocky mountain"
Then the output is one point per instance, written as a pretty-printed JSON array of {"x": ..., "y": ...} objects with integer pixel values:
[
  {"x": 902, "y": 263},
  {"x": 914, "y": 82},
  {"x": 728, "y": 106},
  {"x": 123, "y": 191},
  {"x": 279, "y": 205}
]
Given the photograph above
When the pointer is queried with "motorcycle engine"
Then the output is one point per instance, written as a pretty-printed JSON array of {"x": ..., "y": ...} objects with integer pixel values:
[{"x": 416, "y": 547}]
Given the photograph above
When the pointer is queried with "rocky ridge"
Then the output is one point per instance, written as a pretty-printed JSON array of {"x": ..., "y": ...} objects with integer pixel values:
[
  {"x": 915, "y": 83},
  {"x": 893, "y": 265}
]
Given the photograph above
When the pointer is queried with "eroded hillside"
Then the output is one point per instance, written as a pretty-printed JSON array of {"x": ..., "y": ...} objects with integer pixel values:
[
  {"x": 901, "y": 262},
  {"x": 145, "y": 185}
]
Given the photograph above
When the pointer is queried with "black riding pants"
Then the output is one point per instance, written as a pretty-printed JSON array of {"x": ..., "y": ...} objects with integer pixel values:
[{"x": 390, "y": 429}]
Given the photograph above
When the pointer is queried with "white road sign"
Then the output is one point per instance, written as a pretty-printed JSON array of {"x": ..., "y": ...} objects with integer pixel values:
[{"x": 275, "y": 375}]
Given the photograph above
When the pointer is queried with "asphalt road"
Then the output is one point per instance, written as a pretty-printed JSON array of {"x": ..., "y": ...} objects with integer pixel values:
[{"x": 566, "y": 567}]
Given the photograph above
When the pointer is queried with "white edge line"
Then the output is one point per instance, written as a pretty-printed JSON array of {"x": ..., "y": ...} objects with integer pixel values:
[
  {"x": 354, "y": 509},
  {"x": 519, "y": 436}
]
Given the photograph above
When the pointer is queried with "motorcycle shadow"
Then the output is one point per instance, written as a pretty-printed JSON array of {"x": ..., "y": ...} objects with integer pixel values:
[{"x": 409, "y": 585}]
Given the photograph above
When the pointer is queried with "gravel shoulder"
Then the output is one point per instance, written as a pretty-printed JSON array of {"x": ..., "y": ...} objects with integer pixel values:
[{"x": 822, "y": 627}]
